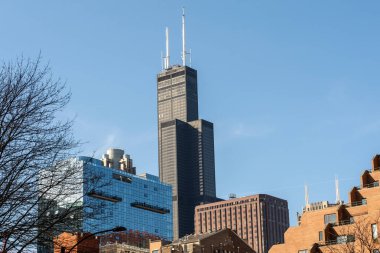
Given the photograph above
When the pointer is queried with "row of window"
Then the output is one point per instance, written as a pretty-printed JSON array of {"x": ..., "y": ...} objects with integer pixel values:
[{"x": 226, "y": 204}]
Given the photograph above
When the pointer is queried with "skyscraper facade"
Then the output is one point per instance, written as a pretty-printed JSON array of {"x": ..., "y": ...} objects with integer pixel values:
[
  {"x": 137, "y": 202},
  {"x": 186, "y": 146},
  {"x": 109, "y": 194}
]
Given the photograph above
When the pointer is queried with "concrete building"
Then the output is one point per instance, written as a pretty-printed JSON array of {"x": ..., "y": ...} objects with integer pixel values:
[
  {"x": 222, "y": 241},
  {"x": 115, "y": 158},
  {"x": 260, "y": 220},
  {"x": 186, "y": 146},
  {"x": 339, "y": 227}
]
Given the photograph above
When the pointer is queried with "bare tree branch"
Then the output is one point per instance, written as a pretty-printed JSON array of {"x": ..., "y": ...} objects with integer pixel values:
[{"x": 41, "y": 188}]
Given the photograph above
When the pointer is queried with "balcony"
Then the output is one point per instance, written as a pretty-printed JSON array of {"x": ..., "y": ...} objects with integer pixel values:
[
  {"x": 371, "y": 185},
  {"x": 342, "y": 239},
  {"x": 343, "y": 223},
  {"x": 148, "y": 207},
  {"x": 104, "y": 196},
  {"x": 357, "y": 203}
]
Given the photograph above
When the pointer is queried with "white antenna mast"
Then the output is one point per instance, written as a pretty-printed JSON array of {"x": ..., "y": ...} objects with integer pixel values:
[
  {"x": 183, "y": 38},
  {"x": 306, "y": 196},
  {"x": 167, "y": 58},
  {"x": 338, "y": 201},
  {"x": 162, "y": 61}
]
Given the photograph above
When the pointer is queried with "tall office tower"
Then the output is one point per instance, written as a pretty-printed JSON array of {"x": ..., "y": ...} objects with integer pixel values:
[
  {"x": 261, "y": 220},
  {"x": 186, "y": 143}
]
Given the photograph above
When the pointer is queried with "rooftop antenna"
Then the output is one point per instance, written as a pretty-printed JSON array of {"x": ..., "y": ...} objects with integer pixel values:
[
  {"x": 167, "y": 57},
  {"x": 338, "y": 201},
  {"x": 183, "y": 38},
  {"x": 162, "y": 61},
  {"x": 306, "y": 196}
]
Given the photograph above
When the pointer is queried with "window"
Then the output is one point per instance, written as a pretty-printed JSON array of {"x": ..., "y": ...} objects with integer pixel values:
[
  {"x": 320, "y": 236},
  {"x": 374, "y": 231},
  {"x": 302, "y": 251},
  {"x": 330, "y": 218},
  {"x": 345, "y": 238}
]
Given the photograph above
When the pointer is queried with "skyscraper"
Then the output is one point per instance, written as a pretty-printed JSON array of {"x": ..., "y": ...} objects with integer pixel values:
[{"x": 185, "y": 142}]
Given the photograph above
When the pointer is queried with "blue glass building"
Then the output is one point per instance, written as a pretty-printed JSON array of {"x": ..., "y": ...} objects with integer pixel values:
[{"x": 141, "y": 203}]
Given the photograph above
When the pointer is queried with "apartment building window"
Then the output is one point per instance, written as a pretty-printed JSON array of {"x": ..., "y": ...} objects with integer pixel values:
[
  {"x": 320, "y": 236},
  {"x": 330, "y": 218},
  {"x": 374, "y": 231},
  {"x": 345, "y": 239}
]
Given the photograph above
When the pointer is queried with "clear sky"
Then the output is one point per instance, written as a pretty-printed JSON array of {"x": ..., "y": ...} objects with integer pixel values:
[{"x": 292, "y": 87}]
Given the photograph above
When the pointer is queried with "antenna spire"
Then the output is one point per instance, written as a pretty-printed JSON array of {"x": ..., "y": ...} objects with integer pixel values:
[
  {"x": 183, "y": 38},
  {"x": 162, "y": 61},
  {"x": 167, "y": 57},
  {"x": 306, "y": 196},
  {"x": 338, "y": 201}
]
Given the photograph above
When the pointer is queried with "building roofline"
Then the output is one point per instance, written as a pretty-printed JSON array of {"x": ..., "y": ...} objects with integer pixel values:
[{"x": 258, "y": 196}]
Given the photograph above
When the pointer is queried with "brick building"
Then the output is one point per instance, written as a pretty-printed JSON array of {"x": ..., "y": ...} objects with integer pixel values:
[
  {"x": 222, "y": 241},
  {"x": 66, "y": 241},
  {"x": 122, "y": 242},
  {"x": 261, "y": 220},
  {"x": 351, "y": 227}
]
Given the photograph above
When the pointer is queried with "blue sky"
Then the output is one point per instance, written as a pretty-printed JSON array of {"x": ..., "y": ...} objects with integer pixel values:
[{"x": 292, "y": 87}]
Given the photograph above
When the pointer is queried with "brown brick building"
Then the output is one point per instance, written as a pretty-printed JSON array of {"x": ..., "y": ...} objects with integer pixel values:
[
  {"x": 351, "y": 227},
  {"x": 222, "y": 241},
  {"x": 261, "y": 220},
  {"x": 65, "y": 241},
  {"x": 129, "y": 241}
]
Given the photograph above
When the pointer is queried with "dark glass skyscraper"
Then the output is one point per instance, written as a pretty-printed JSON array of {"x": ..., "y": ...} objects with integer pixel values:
[{"x": 186, "y": 146}]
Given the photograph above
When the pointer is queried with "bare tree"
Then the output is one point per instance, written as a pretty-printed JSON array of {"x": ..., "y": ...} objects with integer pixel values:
[{"x": 40, "y": 186}]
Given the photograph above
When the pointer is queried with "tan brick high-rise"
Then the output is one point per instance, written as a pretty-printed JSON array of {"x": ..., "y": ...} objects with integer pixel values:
[
  {"x": 260, "y": 220},
  {"x": 339, "y": 227}
]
